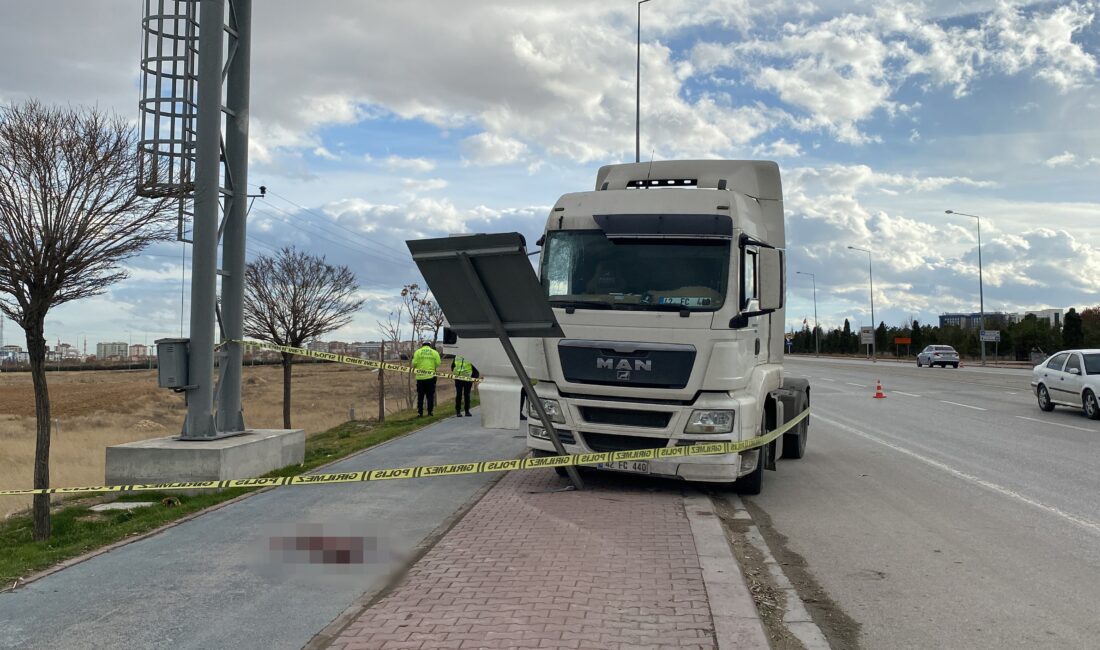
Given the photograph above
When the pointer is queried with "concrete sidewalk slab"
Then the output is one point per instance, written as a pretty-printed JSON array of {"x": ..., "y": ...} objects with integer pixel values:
[
  {"x": 614, "y": 566},
  {"x": 215, "y": 582}
]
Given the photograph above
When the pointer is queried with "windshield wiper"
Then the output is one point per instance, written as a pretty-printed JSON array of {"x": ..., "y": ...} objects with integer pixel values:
[{"x": 581, "y": 304}]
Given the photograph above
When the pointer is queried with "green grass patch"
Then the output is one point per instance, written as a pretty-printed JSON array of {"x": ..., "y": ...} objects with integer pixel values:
[{"x": 78, "y": 530}]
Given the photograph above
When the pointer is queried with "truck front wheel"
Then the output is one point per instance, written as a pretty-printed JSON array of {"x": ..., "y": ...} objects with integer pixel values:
[
  {"x": 794, "y": 442},
  {"x": 753, "y": 482}
]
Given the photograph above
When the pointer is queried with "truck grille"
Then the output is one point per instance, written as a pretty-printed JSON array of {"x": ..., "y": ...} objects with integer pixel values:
[
  {"x": 613, "y": 442},
  {"x": 625, "y": 417},
  {"x": 626, "y": 363}
]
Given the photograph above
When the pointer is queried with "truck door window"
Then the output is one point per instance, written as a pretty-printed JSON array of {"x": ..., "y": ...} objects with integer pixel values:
[{"x": 748, "y": 277}]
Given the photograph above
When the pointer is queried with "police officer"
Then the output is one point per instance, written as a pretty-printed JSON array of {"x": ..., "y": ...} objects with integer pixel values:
[
  {"x": 461, "y": 367},
  {"x": 425, "y": 361}
]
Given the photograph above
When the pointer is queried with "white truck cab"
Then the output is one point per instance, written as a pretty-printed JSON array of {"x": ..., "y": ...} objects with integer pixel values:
[{"x": 668, "y": 282}]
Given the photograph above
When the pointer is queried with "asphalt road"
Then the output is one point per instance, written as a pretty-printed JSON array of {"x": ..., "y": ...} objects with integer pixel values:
[
  {"x": 214, "y": 582},
  {"x": 953, "y": 513}
]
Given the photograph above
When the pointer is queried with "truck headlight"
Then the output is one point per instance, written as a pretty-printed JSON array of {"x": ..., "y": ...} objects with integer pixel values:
[
  {"x": 537, "y": 432},
  {"x": 710, "y": 422},
  {"x": 552, "y": 408}
]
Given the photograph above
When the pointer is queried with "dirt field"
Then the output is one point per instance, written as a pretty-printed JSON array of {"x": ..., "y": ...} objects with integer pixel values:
[{"x": 93, "y": 410}]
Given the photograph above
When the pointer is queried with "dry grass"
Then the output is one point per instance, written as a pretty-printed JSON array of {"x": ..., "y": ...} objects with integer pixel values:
[{"x": 94, "y": 410}]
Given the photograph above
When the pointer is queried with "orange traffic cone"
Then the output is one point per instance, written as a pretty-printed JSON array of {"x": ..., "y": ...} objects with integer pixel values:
[{"x": 878, "y": 390}]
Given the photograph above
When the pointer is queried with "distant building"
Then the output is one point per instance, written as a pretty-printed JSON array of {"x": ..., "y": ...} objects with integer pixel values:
[
  {"x": 139, "y": 351},
  {"x": 972, "y": 321},
  {"x": 1054, "y": 316},
  {"x": 105, "y": 351},
  {"x": 317, "y": 346},
  {"x": 11, "y": 354},
  {"x": 368, "y": 350},
  {"x": 339, "y": 347}
]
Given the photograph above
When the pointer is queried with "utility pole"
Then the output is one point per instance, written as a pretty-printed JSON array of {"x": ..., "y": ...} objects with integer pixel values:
[
  {"x": 871, "y": 279},
  {"x": 981, "y": 291},
  {"x": 817, "y": 328},
  {"x": 382, "y": 383},
  {"x": 192, "y": 52},
  {"x": 638, "y": 90}
]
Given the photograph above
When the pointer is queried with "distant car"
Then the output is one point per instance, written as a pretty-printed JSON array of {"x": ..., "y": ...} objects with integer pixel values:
[
  {"x": 1069, "y": 378},
  {"x": 938, "y": 355}
]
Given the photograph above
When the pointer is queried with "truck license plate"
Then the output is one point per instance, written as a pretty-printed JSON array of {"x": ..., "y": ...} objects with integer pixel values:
[{"x": 636, "y": 466}]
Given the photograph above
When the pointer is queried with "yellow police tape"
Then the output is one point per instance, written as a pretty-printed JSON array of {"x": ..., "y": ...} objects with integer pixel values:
[
  {"x": 476, "y": 467},
  {"x": 355, "y": 361}
]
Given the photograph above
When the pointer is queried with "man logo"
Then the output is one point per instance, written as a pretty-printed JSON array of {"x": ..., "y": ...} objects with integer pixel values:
[
  {"x": 603, "y": 363},
  {"x": 623, "y": 375}
]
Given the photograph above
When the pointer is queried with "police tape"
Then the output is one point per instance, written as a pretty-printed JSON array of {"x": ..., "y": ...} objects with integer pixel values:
[
  {"x": 426, "y": 471},
  {"x": 355, "y": 361}
]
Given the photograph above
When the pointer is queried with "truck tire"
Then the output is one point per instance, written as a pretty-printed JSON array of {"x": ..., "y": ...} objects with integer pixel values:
[
  {"x": 753, "y": 483},
  {"x": 794, "y": 441}
]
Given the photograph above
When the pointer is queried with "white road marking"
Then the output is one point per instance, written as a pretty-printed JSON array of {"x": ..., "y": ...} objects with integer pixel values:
[
  {"x": 857, "y": 385},
  {"x": 965, "y": 406},
  {"x": 899, "y": 392},
  {"x": 826, "y": 379},
  {"x": 1067, "y": 426},
  {"x": 1008, "y": 392},
  {"x": 1087, "y": 524}
]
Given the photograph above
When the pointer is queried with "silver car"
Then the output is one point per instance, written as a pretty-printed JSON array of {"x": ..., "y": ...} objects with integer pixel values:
[
  {"x": 1069, "y": 378},
  {"x": 938, "y": 355}
]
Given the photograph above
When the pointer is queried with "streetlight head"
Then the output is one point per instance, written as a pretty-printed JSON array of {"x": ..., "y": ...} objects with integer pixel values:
[{"x": 949, "y": 212}]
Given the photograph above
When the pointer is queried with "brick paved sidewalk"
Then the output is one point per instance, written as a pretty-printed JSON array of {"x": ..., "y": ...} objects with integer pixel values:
[{"x": 615, "y": 566}]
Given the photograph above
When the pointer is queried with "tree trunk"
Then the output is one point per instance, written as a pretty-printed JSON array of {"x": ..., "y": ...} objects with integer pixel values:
[
  {"x": 36, "y": 349},
  {"x": 287, "y": 361},
  {"x": 382, "y": 384}
]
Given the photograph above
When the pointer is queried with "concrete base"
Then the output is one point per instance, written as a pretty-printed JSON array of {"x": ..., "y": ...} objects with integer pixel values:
[
  {"x": 162, "y": 460},
  {"x": 499, "y": 402}
]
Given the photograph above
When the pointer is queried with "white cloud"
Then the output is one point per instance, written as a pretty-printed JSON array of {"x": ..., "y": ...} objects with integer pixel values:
[
  {"x": 1061, "y": 160},
  {"x": 490, "y": 149},
  {"x": 778, "y": 149},
  {"x": 421, "y": 165}
]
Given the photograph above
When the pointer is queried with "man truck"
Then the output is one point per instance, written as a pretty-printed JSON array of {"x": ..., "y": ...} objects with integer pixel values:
[{"x": 668, "y": 281}]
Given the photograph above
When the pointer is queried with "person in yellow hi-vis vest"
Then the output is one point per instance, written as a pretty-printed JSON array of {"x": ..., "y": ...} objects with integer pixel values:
[
  {"x": 425, "y": 361},
  {"x": 461, "y": 367}
]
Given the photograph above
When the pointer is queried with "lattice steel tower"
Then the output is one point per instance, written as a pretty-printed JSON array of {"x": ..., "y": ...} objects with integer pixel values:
[{"x": 194, "y": 87}]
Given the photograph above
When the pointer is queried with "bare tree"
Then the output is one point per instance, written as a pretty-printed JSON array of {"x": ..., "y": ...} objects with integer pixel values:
[
  {"x": 69, "y": 214},
  {"x": 413, "y": 304},
  {"x": 391, "y": 331},
  {"x": 294, "y": 297},
  {"x": 433, "y": 318}
]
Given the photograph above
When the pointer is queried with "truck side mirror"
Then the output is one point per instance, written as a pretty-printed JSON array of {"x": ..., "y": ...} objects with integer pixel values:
[{"x": 771, "y": 279}]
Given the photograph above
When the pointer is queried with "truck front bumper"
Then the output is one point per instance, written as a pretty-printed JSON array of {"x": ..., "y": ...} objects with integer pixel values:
[{"x": 721, "y": 468}]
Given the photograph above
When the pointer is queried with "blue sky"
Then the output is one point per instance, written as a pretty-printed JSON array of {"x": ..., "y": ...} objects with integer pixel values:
[{"x": 374, "y": 123}]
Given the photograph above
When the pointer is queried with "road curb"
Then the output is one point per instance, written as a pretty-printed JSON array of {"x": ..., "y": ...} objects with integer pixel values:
[
  {"x": 737, "y": 623},
  {"x": 796, "y": 618}
]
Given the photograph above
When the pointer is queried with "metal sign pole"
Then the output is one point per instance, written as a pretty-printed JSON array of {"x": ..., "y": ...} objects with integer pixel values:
[{"x": 532, "y": 398}]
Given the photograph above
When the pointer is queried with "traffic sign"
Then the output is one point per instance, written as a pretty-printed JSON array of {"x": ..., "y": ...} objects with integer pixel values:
[
  {"x": 866, "y": 336},
  {"x": 991, "y": 336}
]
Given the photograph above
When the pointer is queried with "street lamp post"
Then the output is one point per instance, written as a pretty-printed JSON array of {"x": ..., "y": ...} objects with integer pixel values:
[
  {"x": 638, "y": 90},
  {"x": 981, "y": 291},
  {"x": 817, "y": 328},
  {"x": 871, "y": 278}
]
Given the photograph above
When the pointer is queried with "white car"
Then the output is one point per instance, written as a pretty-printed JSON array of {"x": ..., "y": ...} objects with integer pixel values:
[
  {"x": 1069, "y": 378},
  {"x": 938, "y": 355}
]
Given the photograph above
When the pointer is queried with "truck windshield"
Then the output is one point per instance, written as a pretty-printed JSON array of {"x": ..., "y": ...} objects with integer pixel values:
[{"x": 586, "y": 270}]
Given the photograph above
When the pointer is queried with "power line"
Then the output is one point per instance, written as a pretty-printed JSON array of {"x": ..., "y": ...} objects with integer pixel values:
[
  {"x": 333, "y": 238},
  {"x": 324, "y": 218}
]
